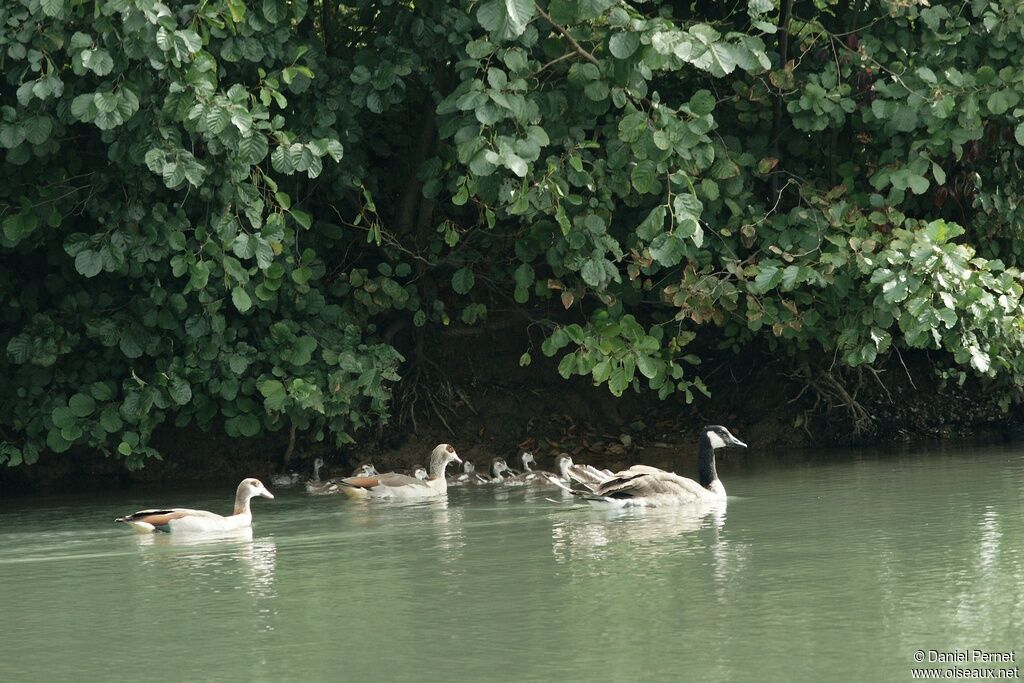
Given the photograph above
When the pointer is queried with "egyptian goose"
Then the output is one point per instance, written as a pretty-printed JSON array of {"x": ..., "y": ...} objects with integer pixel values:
[
  {"x": 588, "y": 475},
  {"x": 285, "y": 480},
  {"x": 394, "y": 485},
  {"x": 184, "y": 519},
  {"x": 642, "y": 485},
  {"x": 467, "y": 476},
  {"x": 499, "y": 468}
]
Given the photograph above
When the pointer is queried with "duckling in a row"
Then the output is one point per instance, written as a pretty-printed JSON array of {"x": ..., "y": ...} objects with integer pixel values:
[{"x": 468, "y": 475}]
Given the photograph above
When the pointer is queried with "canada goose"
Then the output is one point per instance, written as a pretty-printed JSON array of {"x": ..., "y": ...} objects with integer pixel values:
[
  {"x": 394, "y": 485},
  {"x": 642, "y": 485},
  {"x": 184, "y": 519}
]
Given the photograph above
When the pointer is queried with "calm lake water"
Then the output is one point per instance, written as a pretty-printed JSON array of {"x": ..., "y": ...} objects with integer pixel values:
[{"x": 819, "y": 570}]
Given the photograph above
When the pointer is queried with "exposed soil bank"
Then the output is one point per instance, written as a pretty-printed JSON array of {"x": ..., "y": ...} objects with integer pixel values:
[{"x": 478, "y": 398}]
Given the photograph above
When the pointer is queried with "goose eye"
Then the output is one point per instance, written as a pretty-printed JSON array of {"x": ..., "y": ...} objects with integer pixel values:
[
  {"x": 451, "y": 449},
  {"x": 256, "y": 483}
]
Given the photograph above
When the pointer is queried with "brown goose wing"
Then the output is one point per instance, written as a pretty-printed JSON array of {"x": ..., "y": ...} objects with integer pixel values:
[
  {"x": 388, "y": 479},
  {"x": 156, "y": 517},
  {"x": 651, "y": 484}
]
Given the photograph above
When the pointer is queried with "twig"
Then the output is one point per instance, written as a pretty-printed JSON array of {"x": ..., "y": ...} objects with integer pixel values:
[
  {"x": 554, "y": 61},
  {"x": 568, "y": 36},
  {"x": 906, "y": 369}
]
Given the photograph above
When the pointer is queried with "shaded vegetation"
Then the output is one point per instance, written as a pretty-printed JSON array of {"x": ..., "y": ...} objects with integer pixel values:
[{"x": 256, "y": 216}]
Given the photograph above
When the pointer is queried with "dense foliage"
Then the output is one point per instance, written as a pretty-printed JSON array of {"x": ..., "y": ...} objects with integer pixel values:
[{"x": 229, "y": 213}]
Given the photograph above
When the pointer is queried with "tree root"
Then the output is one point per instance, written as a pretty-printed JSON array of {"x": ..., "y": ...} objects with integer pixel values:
[
  {"x": 428, "y": 393},
  {"x": 833, "y": 391}
]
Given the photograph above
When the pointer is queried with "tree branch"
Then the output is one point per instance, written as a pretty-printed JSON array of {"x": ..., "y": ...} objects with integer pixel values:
[{"x": 568, "y": 36}]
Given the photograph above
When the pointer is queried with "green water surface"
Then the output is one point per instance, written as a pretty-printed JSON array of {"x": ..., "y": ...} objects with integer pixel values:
[{"x": 820, "y": 569}]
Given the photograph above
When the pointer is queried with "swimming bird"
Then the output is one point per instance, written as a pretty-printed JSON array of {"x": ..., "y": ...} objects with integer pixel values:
[
  {"x": 285, "y": 480},
  {"x": 467, "y": 476},
  {"x": 394, "y": 485},
  {"x": 420, "y": 473},
  {"x": 588, "y": 475},
  {"x": 529, "y": 475},
  {"x": 314, "y": 485},
  {"x": 643, "y": 485},
  {"x": 184, "y": 519},
  {"x": 499, "y": 468},
  {"x": 365, "y": 470}
]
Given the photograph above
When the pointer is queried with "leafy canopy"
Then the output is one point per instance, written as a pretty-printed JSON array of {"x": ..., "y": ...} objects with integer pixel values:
[{"x": 224, "y": 213}]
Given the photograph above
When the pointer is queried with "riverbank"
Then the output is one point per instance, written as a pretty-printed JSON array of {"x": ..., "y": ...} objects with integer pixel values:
[{"x": 479, "y": 397}]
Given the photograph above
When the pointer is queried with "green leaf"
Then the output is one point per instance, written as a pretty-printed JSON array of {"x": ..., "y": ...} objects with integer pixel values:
[
  {"x": 623, "y": 45},
  {"x": 52, "y": 8},
  {"x": 702, "y": 102},
  {"x": 653, "y": 225},
  {"x": 302, "y": 218},
  {"x": 37, "y": 129},
  {"x": 463, "y": 280},
  {"x": 241, "y": 299},
  {"x": 253, "y": 149},
  {"x": 520, "y": 12},
  {"x": 593, "y": 272},
  {"x": 89, "y": 263},
  {"x": 506, "y": 19},
  {"x": 1001, "y": 101},
  {"x": 302, "y": 352},
  {"x": 110, "y": 420},
  {"x": 667, "y": 249},
  {"x": 767, "y": 277},
  {"x": 180, "y": 391},
  {"x": 82, "y": 405},
  {"x": 274, "y": 395},
  {"x": 644, "y": 176}
]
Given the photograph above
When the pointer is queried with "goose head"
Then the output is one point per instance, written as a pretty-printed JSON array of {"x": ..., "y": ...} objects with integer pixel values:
[
  {"x": 420, "y": 473},
  {"x": 498, "y": 466},
  {"x": 527, "y": 458},
  {"x": 720, "y": 437},
  {"x": 443, "y": 454},
  {"x": 250, "y": 488},
  {"x": 468, "y": 467},
  {"x": 366, "y": 470},
  {"x": 563, "y": 462}
]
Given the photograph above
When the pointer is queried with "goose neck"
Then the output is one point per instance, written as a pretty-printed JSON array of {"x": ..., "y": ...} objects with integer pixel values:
[
  {"x": 706, "y": 462},
  {"x": 242, "y": 499},
  {"x": 437, "y": 468}
]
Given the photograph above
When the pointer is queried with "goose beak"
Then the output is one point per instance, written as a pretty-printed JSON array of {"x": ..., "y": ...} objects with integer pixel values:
[
  {"x": 736, "y": 442},
  {"x": 456, "y": 458},
  {"x": 267, "y": 494}
]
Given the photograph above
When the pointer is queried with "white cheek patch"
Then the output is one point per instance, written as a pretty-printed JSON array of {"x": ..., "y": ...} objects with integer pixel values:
[{"x": 716, "y": 440}]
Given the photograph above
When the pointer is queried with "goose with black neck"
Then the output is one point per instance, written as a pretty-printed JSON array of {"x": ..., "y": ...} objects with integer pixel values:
[{"x": 646, "y": 486}]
